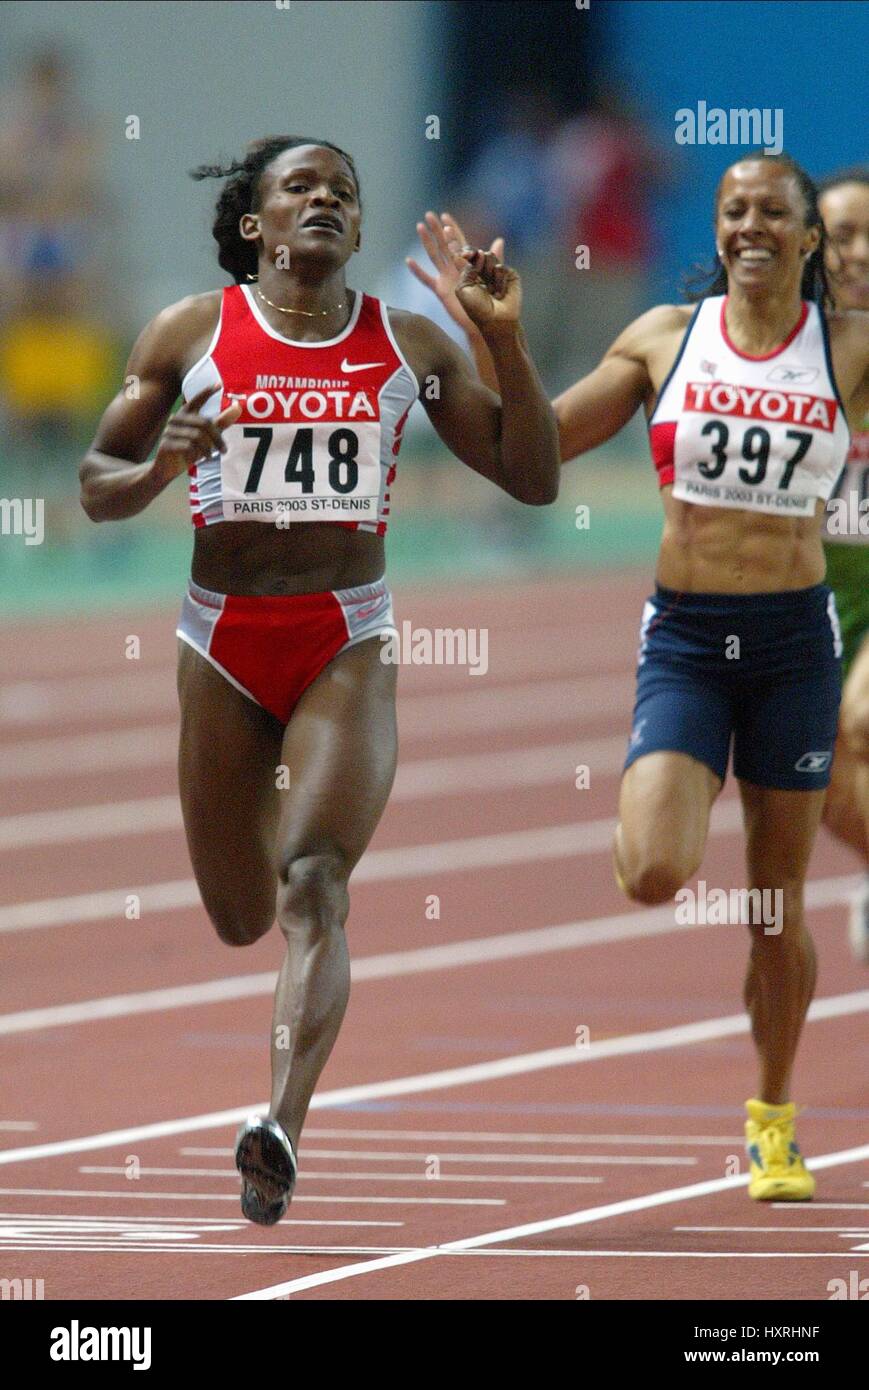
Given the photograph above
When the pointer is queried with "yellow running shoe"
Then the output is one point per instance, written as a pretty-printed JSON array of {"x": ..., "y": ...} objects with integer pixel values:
[{"x": 778, "y": 1173}]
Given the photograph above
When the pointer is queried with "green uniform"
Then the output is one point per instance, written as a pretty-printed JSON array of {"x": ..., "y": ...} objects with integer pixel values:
[{"x": 846, "y": 544}]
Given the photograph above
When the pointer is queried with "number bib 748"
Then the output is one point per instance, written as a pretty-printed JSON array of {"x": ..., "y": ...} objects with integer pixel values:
[{"x": 322, "y": 472}]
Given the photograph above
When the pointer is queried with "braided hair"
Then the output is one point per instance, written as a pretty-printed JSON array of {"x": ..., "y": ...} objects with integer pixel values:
[
  {"x": 241, "y": 194},
  {"x": 712, "y": 279}
]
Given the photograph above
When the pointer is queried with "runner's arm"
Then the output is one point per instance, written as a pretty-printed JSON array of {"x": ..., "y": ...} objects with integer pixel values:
[
  {"x": 513, "y": 440},
  {"x": 116, "y": 482},
  {"x": 592, "y": 410}
]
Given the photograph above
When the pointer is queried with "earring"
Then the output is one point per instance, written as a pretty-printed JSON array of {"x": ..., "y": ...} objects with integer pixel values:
[{"x": 252, "y": 277}]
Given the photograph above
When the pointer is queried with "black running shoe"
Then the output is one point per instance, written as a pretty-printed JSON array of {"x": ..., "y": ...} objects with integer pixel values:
[{"x": 264, "y": 1157}]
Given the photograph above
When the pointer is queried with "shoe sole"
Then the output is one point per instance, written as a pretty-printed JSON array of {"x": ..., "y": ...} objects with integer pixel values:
[
  {"x": 779, "y": 1193},
  {"x": 268, "y": 1176}
]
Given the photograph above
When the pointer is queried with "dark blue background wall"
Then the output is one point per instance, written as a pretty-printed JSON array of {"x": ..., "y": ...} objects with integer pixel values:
[{"x": 809, "y": 57}]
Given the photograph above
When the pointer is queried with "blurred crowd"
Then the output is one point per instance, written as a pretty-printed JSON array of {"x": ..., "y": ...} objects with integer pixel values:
[
  {"x": 571, "y": 195},
  {"x": 58, "y": 351},
  {"x": 573, "y": 198}
]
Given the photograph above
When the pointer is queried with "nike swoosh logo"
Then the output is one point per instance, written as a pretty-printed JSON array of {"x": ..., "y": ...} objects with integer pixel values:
[
  {"x": 371, "y": 610},
  {"x": 359, "y": 366}
]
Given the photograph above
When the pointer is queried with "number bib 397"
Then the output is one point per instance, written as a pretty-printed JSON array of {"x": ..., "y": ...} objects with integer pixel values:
[
  {"x": 747, "y": 452},
  {"x": 763, "y": 434},
  {"x": 322, "y": 472}
]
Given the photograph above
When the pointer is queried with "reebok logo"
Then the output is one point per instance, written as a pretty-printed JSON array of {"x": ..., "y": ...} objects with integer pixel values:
[
  {"x": 800, "y": 376},
  {"x": 813, "y": 762}
]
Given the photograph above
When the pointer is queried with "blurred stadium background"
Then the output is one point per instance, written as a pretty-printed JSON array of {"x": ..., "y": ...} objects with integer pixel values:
[{"x": 555, "y": 126}]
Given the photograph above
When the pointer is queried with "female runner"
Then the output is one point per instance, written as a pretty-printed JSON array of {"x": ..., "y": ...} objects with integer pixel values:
[
  {"x": 844, "y": 205},
  {"x": 296, "y": 390},
  {"x": 740, "y": 642}
]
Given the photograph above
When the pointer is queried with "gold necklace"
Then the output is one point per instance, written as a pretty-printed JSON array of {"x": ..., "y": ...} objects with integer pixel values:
[{"x": 320, "y": 313}]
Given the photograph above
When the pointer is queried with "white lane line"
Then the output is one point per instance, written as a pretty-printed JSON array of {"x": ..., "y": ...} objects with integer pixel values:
[
  {"x": 65, "y": 699},
  {"x": 311, "y": 1175},
  {"x": 121, "y": 819},
  {"x": 105, "y": 905},
  {"x": 114, "y": 750},
  {"x": 681, "y": 1035},
  {"x": 822, "y": 1206},
  {"x": 519, "y": 703},
  {"x": 528, "y": 651},
  {"x": 483, "y": 1136},
  {"x": 503, "y": 770},
  {"x": 76, "y": 1221},
  {"x": 778, "y": 1230},
  {"x": 129, "y": 1247},
  {"x": 371, "y": 968},
  {"x": 557, "y": 1223},
  {"x": 40, "y": 1222},
  {"x": 567, "y": 936},
  {"x": 18, "y": 1125},
  {"x": 621, "y": 926},
  {"x": 233, "y": 1197},
  {"x": 48, "y": 663},
  {"x": 391, "y": 1156},
  {"x": 128, "y": 1005},
  {"x": 539, "y": 765},
  {"x": 668, "y": 1254},
  {"x": 106, "y": 820},
  {"x": 490, "y": 851},
  {"x": 235, "y": 987},
  {"x": 410, "y": 1253}
]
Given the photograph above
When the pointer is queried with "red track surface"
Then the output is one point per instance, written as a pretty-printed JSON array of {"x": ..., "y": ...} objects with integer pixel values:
[{"x": 446, "y": 1159}]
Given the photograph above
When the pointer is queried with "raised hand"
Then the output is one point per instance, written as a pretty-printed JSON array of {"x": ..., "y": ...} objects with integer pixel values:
[
  {"x": 189, "y": 436},
  {"x": 489, "y": 292},
  {"x": 443, "y": 240}
]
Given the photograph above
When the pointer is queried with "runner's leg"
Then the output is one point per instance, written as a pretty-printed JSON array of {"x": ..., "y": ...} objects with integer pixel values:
[
  {"x": 664, "y": 806},
  {"x": 854, "y": 725},
  {"x": 229, "y": 750},
  {"x": 780, "y": 832},
  {"x": 842, "y": 808},
  {"x": 340, "y": 748}
]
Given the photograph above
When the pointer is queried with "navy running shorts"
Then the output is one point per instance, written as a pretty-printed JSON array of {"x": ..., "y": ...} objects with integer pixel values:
[{"x": 760, "y": 670}]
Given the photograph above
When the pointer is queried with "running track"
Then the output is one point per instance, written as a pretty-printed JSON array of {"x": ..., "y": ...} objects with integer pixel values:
[{"x": 465, "y": 1142}]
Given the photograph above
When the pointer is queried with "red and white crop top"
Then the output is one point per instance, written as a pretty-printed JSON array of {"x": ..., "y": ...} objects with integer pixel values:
[{"x": 321, "y": 425}]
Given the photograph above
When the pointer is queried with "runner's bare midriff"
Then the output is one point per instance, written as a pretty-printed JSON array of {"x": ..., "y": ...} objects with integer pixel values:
[
  {"x": 724, "y": 550},
  {"x": 245, "y": 557}
]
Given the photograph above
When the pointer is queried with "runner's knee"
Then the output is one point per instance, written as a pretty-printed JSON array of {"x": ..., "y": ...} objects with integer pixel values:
[
  {"x": 312, "y": 888},
  {"x": 239, "y": 923},
  {"x": 653, "y": 878}
]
